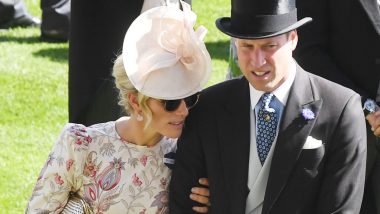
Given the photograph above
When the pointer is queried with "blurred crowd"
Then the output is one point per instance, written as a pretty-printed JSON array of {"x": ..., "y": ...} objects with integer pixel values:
[{"x": 54, "y": 24}]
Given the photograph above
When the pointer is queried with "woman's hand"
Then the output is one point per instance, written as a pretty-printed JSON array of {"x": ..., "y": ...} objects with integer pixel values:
[
  {"x": 201, "y": 195},
  {"x": 374, "y": 120}
]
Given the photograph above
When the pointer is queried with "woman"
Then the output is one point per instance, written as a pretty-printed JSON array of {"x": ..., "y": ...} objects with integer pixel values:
[{"x": 123, "y": 166}]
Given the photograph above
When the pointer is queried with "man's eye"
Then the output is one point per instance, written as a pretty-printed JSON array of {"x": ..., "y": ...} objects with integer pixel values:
[
  {"x": 247, "y": 46},
  {"x": 271, "y": 47}
]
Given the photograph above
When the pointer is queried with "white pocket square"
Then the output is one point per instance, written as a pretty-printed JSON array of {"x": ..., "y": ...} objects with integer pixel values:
[{"x": 312, "y": 143}]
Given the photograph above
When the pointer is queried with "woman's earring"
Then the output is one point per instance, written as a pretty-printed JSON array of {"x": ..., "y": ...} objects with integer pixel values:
[{"x": 139, "y": 117}]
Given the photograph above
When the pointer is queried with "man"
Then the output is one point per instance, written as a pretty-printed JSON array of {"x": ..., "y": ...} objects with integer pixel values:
[
  {"x": 14, "y": 14},
  {"x": 55, "y": 24},
  {"x": 55, "y": 18},
  {"x": 95, "y": 41},
  {"x": 279, "y": 139},
  {"x": 96, "y": 37},
  {"x": 342, "y": 44}
]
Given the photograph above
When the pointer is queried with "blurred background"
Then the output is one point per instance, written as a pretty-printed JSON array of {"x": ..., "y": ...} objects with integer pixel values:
[{"x": 34, "y": 97}]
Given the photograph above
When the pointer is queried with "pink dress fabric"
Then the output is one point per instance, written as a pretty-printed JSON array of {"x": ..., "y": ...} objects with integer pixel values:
[{"x": 112, "y": 175}]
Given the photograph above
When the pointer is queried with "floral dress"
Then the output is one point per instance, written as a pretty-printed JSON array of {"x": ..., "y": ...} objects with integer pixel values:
[{"x": 112, "y": 175}]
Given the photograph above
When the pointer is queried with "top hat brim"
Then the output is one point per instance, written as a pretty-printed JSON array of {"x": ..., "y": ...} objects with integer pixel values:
[{"x": 224, "y": 25}]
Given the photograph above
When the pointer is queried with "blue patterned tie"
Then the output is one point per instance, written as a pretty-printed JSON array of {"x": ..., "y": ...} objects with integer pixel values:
[{"x": 266, "y": 126}]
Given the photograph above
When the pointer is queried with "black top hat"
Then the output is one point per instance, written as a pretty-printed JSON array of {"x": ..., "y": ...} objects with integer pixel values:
[{"x": 255, "y": 19}]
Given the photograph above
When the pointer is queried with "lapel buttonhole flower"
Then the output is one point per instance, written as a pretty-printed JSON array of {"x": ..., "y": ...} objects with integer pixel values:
[{"x": 307, "y": 114}]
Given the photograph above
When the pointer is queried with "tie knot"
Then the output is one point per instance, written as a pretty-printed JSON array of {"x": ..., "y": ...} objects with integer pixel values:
[{"x": 266, "y": 99}]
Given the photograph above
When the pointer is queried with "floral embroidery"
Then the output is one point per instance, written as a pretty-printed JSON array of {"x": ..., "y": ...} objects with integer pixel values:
[
  {"x": 49, "y": 161},
  {"x": 58, "y": 179},
  {"x": 69, "y": 164},
  {"x": 143, "y": 159},
  {"x": 161, "y": 201},
  {"x": 133, "y": 162},
  {"x": 78, "y": 141},
  {"x": 107, "y": 149},
  {"x": 136, "y": 180},
  {"x": 60, "y": 160},
  {"x": 112, "y": 176},
  {"x": 83, "y": 139},
  {"x": 90, "y": 168},
  {"x": 90, "y": 192},
  {"x": 163, "y": 182}
]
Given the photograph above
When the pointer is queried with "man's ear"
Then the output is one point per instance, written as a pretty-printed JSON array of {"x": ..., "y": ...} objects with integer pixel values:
[{"x": 294, "y": 39}]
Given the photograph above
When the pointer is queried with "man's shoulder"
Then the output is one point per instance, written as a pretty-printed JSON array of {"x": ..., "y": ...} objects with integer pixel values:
[
  {"x": 224, "y": 93},
  {"x": 329, "y": 87},
  {"x": 325, "y": 84},
  {"x": 226, "y": 87}
]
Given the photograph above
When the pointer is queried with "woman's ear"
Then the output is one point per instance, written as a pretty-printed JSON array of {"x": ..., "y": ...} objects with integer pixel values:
[{"x": 132, "y": 99}]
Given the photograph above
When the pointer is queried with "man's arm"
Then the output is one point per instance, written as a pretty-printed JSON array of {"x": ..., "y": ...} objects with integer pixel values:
[
  {"x": 189, "y": 167},
  {"x": 344, "y": 176}
]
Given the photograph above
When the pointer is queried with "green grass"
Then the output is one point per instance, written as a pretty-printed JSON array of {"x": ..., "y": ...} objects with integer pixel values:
[{"x": 33, "y": 92}]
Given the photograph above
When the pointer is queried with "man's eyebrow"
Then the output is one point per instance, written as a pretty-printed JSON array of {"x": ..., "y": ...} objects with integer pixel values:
[{"x": 243, "y": 42}]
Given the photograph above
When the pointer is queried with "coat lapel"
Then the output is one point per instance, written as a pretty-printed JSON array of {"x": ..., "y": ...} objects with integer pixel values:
[
  {"x": 234, "y": 139},
  {"x": 372, "y": 10},
  {"x": 294, "y": 130}
]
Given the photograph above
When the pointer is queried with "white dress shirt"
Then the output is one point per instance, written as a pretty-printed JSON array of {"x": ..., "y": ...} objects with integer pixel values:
[{"x": 258, "y": 174}]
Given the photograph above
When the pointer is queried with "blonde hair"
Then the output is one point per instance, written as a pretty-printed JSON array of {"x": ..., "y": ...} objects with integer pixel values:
[{"x": 125, "y": 87}]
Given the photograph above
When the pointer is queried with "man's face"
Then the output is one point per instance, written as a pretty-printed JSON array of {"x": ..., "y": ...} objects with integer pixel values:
[{"x": 266, "y": 62}]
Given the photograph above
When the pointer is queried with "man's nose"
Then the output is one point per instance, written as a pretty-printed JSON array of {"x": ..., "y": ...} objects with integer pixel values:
[{"x": 258, "y": 58}]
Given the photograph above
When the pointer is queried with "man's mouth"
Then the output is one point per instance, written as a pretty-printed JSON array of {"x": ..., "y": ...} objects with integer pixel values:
[{"x": 260, "y": 74}]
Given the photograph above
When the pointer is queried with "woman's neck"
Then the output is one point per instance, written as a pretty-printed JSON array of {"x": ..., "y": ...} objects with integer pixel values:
[{"x": 133, "y": 131}]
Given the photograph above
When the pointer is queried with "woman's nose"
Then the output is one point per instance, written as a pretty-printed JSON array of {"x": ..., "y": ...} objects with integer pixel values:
[{"x": 182, "y": 109}]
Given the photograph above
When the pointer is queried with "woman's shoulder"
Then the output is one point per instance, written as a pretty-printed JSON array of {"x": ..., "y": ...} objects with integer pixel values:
[
  {"x": 84, "y": 135},
  {"x": 76, "y": 129}
]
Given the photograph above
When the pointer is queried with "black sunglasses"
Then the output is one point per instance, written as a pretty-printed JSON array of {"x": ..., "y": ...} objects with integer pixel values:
[{"x": 172, "y": 105}]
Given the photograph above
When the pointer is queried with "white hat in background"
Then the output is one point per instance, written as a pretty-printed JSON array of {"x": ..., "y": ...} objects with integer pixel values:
[{"x": 163, "y": 56}]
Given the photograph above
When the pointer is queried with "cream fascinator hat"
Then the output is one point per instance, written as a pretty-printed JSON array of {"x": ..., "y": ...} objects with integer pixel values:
[{"x": 163, "y": 56}]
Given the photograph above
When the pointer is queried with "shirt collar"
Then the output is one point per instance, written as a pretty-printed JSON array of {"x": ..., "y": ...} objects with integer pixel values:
[{"x": 281, "y": 93}]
